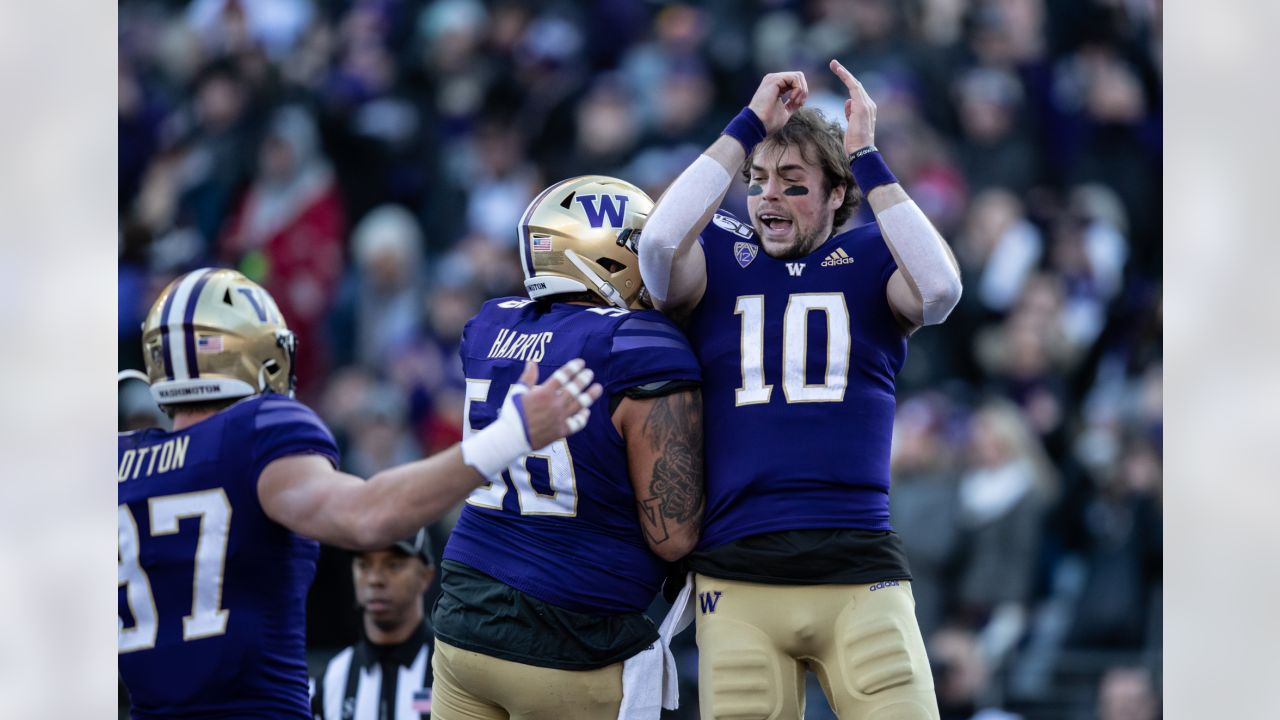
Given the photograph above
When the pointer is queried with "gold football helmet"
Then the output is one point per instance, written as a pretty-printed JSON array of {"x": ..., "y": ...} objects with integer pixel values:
[
  {"x": 580, "y": 235},
  {"x": 215, "y": 334}
]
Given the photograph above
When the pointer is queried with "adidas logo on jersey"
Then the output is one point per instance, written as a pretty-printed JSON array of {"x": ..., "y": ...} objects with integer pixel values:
[{"x": 839, "y": 257}]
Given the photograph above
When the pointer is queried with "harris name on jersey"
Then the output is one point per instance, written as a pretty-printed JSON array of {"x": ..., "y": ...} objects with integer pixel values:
[{"x": 512, "y": 345}]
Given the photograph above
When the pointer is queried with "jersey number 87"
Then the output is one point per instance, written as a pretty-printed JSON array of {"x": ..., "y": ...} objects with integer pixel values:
[{"x": 207, "y": 617}]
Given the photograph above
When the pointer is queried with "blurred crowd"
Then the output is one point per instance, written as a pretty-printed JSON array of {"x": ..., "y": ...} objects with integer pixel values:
[{"x": 367, "y": 161}]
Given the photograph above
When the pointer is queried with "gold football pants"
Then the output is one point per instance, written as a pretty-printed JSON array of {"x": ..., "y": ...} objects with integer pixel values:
[
  {"x": 756, "y": 641},
  {"x": 474, "y": 686}
]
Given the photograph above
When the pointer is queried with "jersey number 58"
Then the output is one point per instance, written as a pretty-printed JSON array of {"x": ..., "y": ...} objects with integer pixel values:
[{"x": 552, "y": 465}]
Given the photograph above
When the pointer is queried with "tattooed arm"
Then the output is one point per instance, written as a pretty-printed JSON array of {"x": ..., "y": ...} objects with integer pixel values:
[{"x": 664, "y": 454}]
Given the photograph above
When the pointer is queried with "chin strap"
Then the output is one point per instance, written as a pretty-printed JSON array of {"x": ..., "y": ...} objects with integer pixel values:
[{"x": 606, "y": 288}]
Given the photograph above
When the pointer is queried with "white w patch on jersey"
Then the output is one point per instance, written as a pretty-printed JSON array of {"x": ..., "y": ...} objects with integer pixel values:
[{"x": 794, "y": 269}]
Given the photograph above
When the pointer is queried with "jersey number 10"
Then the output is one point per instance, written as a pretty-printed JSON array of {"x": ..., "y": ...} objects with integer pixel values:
[
  {"x": 795, "y": 349},
  {"x": 563, "y": 499}
]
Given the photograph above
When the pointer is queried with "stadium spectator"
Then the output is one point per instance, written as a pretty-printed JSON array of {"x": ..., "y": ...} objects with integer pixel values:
[
  {"x": 963, "y": 676},
  {"x": 996, "y": 149},
  {"x": 209, "y": 155},
  {"x": 1003, "y": 494},
  {"x": 386, "y": 675},
  {"x": 1127, "y": 693},
  {"x": 1123, "y": 533},
  {"x": 427, "y": 370},
  {"x": 287, "y": 234},
  {"x": 381, "y": 301},
  {"x": 1000, "y": 247},
  {"x": 925, "y": 501}
]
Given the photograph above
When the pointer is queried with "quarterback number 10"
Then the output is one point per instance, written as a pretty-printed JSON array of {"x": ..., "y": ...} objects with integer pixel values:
[{"x": 795, "y": 349}]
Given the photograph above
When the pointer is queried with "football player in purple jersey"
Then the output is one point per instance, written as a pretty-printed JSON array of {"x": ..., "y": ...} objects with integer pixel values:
[
  {"x": 800, "y": 329},
  {"x": 218, "y": 518},
  {"x": 547, "y": 575}
]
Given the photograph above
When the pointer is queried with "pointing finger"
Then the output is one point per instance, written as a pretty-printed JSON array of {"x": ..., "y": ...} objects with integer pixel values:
[{"x": 845, "y": 76}]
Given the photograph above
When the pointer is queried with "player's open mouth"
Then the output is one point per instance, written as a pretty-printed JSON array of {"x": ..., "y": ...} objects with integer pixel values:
[{"x": 776, "y": 224}]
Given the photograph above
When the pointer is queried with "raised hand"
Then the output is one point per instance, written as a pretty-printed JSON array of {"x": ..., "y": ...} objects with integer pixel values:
[
  {"x": 779, "y": 95},
  {"x": 859, "y": 111},
  {"x": 558, "y": 407}
]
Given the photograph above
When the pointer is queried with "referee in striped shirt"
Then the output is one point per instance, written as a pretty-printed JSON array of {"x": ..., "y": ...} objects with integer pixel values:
[{"x": 387, "y": 674}]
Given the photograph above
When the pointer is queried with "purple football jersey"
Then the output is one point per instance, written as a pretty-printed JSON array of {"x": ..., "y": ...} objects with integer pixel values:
[
  {"x": 561, "y": 523},
  {"x": 212, "y": 597},
  {"x": 799, "y": 359}
]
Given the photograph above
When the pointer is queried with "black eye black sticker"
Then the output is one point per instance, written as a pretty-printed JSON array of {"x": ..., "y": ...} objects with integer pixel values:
[
  {"x": 796, "y": 190},
  {"x": 755, "y": 190}
]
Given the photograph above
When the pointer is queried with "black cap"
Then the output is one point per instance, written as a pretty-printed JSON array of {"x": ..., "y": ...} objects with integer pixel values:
[{"x": 418, "y": 546}]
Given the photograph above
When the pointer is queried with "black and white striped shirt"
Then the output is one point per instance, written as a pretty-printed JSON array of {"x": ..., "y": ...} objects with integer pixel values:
[{"x": 377, "y": 682}]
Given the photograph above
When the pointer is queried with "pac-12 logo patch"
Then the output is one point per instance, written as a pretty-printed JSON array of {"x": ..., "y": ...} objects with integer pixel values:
[{"x": 744, "y": 253}]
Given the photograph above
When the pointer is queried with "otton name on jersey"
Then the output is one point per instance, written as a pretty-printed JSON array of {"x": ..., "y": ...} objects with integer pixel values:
[{"x": 145, "y": 461}]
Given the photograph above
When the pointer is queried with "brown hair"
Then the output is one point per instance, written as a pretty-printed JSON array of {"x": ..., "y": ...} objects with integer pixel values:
[{"x": 821, "y": 143}]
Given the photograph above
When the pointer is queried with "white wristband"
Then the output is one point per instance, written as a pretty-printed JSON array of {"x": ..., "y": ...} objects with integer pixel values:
[{"x": 503, "y": 442}]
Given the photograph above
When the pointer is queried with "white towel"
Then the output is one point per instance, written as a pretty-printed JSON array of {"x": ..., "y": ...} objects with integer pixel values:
[{"x": 649, "y": 680}]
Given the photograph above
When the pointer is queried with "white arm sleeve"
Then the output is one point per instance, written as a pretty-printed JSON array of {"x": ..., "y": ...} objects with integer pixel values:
[
  {"x": 674, "y": 221},
  {"x": 923, "y": 257}
]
